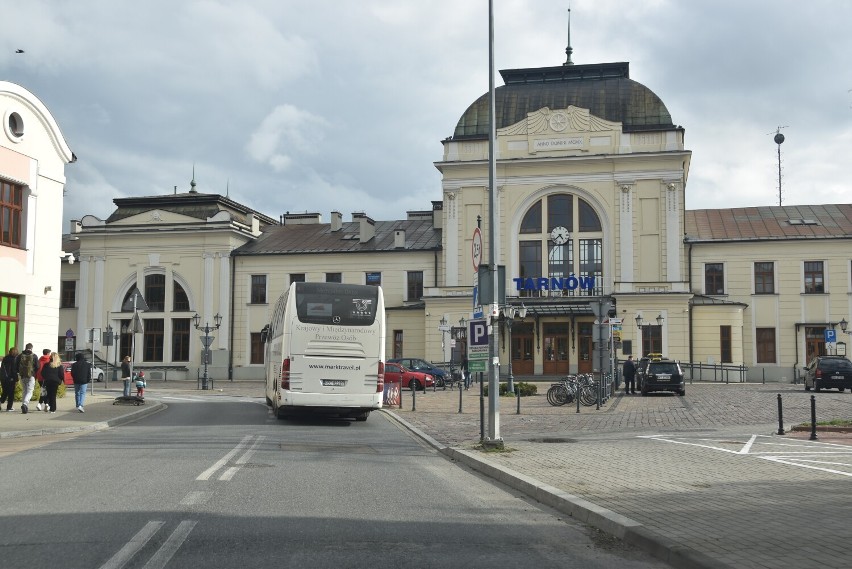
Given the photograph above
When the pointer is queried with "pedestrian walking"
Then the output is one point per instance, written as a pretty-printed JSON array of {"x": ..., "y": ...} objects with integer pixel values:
[
  {"x": 464, "y": 372},
  {"x": 54, "y": 375},
  {"x": 42, "y": 393},
  {"x": 629, "y": 373},
  {"x": 125, "y": 375},
  {"x": 81, "y": 373},
  {"x": 27, "y": 362},
  {"x": 9, "y": 377}
]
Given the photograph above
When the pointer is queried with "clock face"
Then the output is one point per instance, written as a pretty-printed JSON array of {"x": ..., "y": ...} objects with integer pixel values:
[{"x": 559, "y": 235}]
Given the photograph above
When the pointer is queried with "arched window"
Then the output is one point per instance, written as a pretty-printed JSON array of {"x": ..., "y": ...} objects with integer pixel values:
[
  {"x": 532, "y": 220},
  {"x": 571, "y": 260},
  {"x": 155, "y": 292},
  {"x": 589, "y": 220},
  {"x": 181, "y": 301}
]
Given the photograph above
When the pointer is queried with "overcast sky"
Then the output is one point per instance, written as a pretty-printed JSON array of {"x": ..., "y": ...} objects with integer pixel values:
[{"x": 313, "y": 106}]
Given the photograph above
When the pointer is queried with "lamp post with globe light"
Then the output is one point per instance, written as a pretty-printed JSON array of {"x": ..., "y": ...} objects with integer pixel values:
[
  {"x": 206, "y": 340},
  {"x": 510, "y": 313}
]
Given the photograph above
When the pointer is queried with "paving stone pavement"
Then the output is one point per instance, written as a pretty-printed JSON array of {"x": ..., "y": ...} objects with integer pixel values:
[{"x": 700, "y": 481}]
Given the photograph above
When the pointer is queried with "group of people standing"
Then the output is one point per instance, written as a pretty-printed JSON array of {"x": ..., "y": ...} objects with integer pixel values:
[{"x": 48, "y": 371}]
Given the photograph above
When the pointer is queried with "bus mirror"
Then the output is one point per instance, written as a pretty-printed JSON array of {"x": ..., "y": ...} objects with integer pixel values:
[{"x": 264, "y": 334}]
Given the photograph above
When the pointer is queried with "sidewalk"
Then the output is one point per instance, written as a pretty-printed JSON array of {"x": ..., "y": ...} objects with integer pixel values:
[
  {"x": 701, "y": 481},
  {"x": 101, "y": 413}
]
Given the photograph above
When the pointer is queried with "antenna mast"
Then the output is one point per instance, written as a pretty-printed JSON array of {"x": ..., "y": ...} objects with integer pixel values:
[{"x": 779, "y": 138}]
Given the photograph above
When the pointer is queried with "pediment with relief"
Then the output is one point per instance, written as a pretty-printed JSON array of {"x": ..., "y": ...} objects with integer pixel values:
[{"x": 572, "y": 119}]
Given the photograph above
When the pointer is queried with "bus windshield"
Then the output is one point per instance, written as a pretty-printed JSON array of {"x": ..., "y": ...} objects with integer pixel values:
[{"x": 336, "y": 304}]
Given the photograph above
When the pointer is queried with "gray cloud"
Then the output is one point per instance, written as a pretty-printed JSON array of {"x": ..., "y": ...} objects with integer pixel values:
[{"x": 311, "y": 106}]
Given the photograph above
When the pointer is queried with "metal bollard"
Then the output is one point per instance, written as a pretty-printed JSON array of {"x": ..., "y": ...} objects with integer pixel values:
[
  {"x": 780, "y": 417},
  {"x": 414, "y": 398},
  {"x": 518, "y": 397},
  {"x": 460, "y": 398},
  {"x": 813, "y": 436}
]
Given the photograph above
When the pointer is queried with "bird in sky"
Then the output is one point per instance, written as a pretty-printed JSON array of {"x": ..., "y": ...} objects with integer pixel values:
[{"x": 19, "y": 51}]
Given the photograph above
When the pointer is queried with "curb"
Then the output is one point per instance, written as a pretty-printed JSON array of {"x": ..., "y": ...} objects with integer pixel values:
[
  {"x": 126, "y": 418},
  {"x": 612, "y": 523}
]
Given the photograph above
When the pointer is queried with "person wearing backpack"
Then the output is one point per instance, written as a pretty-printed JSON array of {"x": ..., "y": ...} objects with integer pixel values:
[
  {"x": 9, "y": 374},
  {"x": 26, "y": 373},
  {"x": 81, "y": 371},
  {"x": 42, "y": 398}
]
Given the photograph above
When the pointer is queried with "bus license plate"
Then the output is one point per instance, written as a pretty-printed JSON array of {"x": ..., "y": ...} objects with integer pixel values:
[{"x": 334, "y": 382}]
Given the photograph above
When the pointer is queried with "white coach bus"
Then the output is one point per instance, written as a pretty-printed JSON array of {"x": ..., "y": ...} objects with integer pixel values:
[{"x": 325, "y": 350}]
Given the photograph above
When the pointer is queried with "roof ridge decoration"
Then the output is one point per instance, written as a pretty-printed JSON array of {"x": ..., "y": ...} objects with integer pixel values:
[
  {"x": 571, "y": 119},
  {"x": 569, "y": 50}
]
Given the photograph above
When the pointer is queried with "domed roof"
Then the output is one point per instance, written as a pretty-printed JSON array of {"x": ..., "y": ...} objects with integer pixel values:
[{"x": 605, "y": 89}]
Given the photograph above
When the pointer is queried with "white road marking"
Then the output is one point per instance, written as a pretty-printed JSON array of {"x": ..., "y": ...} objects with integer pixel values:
[
  {"x": 133, "y": 546},
  {"x": 747, "y": 447},
  {"x": 228, "y": 474},
  {"x": 806, "y": 454},
  {"x": 195, "y": 498},
  {"x": 170, "y": 547},
  {"x": 224, "y": 460}
]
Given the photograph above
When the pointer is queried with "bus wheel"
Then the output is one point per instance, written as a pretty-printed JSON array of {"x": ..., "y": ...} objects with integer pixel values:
[
  {"x": 268, "y": 402},
  {"x": 362, "y": 416}
]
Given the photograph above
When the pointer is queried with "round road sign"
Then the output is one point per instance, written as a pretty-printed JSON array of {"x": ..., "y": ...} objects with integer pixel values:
[{"x": 476, "y": 249}]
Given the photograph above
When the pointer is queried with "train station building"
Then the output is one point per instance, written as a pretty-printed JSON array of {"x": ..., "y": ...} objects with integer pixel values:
[{"x": 602, "y": 259}]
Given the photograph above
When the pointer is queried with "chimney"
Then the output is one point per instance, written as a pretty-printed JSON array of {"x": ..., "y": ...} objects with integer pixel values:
[
  {"x": 336, "y": 221},
  {"x": 302, "y": 218},
  {"x": 399, "y": 239},
  {"x": 438, "y": 215},
  {"x": 367, "y": 226},
  {"x": 76, "y": 227}
]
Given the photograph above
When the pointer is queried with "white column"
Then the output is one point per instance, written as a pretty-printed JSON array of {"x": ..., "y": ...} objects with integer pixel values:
[
  {"x": 626, "y": 249},
  {"x": 673, "y": 237},
  {"x": 207, "y": 288},
  {"x": 451, "y": 232},
  {"x": 224, "y": 299},
  {"x": 83, "y": 307},
  {"x": 98, "y": 294}
]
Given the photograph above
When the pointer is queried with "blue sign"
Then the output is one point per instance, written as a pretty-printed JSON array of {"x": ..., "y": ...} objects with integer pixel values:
[
  {"x": 478, "y": 333},
  {"x": 830, "y": 336},
  {"x": 554, "y": 283}
]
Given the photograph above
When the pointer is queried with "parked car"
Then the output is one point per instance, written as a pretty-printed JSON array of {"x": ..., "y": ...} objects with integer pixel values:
[
  {"x": 397, "y": 373},
  {"x": 417, "y": 364},
  {"x": 829, "y": 372},
  {"x": 97, "y": 373},
  {"x": 661, "y": 374}
]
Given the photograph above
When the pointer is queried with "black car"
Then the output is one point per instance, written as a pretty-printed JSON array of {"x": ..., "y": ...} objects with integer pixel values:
[
  {"x": 660, "y": 374},
  {"x": 829, "y": 372}
]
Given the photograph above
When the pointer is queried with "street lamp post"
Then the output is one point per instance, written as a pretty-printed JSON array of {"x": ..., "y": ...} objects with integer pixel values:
[
  {"x": 109, "y": 339},
  {"x": 206, "y": 339},
  {"x": 510, "y": 313}
]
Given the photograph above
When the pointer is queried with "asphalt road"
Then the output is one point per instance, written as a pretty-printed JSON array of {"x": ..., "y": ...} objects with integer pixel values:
[{"x": 223, "y": 484}]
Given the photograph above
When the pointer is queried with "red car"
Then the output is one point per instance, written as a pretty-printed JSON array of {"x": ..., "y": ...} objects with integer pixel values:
[{"x": 396, "y": 373}]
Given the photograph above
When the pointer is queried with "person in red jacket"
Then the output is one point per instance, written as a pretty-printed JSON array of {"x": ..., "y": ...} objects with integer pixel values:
[{"x": 42, "y": 398}]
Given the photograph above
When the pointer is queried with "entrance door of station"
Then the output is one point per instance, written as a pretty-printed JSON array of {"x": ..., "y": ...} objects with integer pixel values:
[
  {"x": 814, "y": 343},
  {"x": 585, "y": 363},
  {"x": 556, "y": 342},
  {"x": 522, "y": 349}
]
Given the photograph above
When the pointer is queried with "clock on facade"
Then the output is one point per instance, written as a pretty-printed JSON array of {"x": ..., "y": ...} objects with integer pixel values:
[{"x": 559, "y": 235}]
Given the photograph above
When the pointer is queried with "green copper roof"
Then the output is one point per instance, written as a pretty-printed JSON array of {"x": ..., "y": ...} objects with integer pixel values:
[{"x": 605, "y": 89}]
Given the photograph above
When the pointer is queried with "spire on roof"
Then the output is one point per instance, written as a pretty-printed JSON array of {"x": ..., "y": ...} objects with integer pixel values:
[
  {"x": 192, "y": 189},
  {"x": 569, "y": 50}
]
